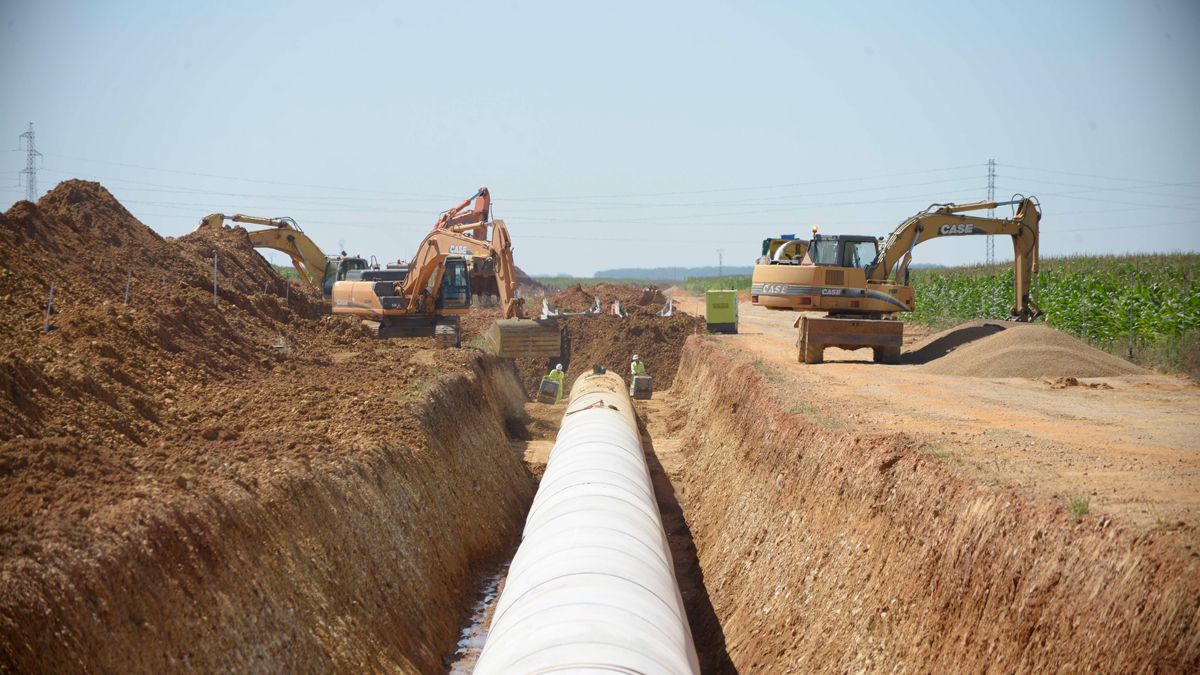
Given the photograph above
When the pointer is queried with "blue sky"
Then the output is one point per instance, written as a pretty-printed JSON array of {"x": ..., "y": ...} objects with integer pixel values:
[{"x": 618, "y": 134}]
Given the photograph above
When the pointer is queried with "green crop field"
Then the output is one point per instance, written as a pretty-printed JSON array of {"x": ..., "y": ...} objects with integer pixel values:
[
  {"x": 736, "y": 282},
  {"x": 1147, "y": 306}
]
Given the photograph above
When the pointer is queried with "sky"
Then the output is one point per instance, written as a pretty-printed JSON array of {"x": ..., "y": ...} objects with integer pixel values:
[{"x": 617, "y": 134}]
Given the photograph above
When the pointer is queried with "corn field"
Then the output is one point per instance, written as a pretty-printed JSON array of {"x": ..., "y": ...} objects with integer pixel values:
[{"x": 1143, "y": 307}]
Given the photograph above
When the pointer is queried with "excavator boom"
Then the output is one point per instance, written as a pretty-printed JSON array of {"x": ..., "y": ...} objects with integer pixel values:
[
  {"x": 472, "y": 222},
  {"x": 284, "y": 235},
  {"x": 949, "y": 220}
]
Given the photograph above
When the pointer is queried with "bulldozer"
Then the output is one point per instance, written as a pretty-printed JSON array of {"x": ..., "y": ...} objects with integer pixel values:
[
  {"x": 862, "y": 282},
  {"x": 283, "y": 234},
  {"x": 430, "y": 294}
]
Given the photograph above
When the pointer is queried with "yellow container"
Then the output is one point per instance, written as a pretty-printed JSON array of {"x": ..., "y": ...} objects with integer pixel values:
[{"x": 721, "y": 311}]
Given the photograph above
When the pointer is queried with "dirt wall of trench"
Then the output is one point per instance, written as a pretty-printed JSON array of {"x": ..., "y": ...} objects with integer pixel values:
[
  {"x": 361, "y": 563},
  {"x": 835, "y": 548}
]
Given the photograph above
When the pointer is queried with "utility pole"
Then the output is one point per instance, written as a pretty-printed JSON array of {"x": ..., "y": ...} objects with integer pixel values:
[
  {"x": 30, "y": 172},
  {"x": 721, "y": 265},
  {"x": 991, "y": 239}
]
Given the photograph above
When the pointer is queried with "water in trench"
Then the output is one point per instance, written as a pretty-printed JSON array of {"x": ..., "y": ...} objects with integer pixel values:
[{"x": 474, "y": 634}]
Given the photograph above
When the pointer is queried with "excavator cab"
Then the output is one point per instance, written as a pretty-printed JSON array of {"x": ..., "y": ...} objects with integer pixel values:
[
  {"x": 336, "y": 269},
  {"x": 455, "y": 291},
  {"x": 846, "y": 250}
]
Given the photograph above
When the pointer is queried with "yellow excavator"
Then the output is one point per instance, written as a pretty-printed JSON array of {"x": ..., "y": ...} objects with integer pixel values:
[
  {"x": 861, "y": 283},
  {"x": 428, "y": 297},
  {"x": 283, "y": 234}
]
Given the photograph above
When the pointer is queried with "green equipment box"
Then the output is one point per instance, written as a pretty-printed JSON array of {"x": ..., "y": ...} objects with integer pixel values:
[
  {"x": 642, "y": 387},
  {"x": 548, "y": 391},
  {"x": 721, "y": 311}
]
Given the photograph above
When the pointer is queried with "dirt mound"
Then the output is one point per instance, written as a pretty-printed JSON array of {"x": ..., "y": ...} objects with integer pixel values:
[
  {"x": 527, "y": 284},
  {"x": 572, "y": 299},
  {"x": 200, "y": 485},
  {"x": 940, "y": 344},
  {"x": 107, "y": 369},
  {"x": 645, "y": 300},
  {"x": 611, "y": 341},
  {"x": 992, "y": 349},
  {"x": 633, "y": 299}
]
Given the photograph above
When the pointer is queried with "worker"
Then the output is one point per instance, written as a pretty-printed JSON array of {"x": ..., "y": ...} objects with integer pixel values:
[
  {"x": 557, "y": 375},
  {"x": 637, "y": 367}
]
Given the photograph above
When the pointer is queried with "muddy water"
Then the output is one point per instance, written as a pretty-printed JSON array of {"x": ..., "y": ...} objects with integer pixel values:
[{"x": 474, "y": 634}]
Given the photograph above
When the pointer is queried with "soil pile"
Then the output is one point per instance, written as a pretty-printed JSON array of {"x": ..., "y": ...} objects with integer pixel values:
[
  {"x": 611, "y": 341},
  {"x": 572, "y": 299},
  {"x": 645, "y": 300},
  {"x": 1020, "y": 350},
  {"x": 106, "y": 368},
  {"x": 527, "y": 284},
  {"x": 244, "y": 486},
  {"x": 633, "y": 299}
]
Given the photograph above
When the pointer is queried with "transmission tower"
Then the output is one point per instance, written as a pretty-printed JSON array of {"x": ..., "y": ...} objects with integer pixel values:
[
  {"x": 30, "y": 172},
  {"x": 991, "y": 240}
]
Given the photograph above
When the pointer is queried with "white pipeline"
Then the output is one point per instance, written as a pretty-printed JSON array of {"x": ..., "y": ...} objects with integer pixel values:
[{"x": 592, "y": 587}]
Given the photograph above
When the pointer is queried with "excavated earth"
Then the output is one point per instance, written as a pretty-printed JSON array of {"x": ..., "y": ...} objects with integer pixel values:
[
  {"x": 823, "y": 547},
  {"x": 239, "y": 485},
  {"x": 247, "y": 483}
]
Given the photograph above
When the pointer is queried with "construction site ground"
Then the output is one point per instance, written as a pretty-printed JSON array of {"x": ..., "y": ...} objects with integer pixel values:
[
  {"x": 231, "y": 479},
  {"x": 1126, "y": 444}
]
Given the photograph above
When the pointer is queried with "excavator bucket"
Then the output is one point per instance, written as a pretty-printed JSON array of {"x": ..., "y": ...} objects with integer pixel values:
[{"x": 525, "y": 338}]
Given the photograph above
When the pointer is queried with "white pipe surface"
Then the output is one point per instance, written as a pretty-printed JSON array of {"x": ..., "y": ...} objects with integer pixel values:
[{"x": 592, "y": 587}]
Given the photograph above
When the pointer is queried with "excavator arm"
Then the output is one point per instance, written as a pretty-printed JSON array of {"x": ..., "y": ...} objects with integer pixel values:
[
  {"x": 943, "y": 220},
  {"x": 308, "y": 260},
  {"x": 285, "y": 236},
  {"x": 476, "y": 218},
  {"x": 445, "y": 242}
]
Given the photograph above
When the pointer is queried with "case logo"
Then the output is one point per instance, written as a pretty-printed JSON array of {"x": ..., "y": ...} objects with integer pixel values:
[{"x": 961, "y": 228}]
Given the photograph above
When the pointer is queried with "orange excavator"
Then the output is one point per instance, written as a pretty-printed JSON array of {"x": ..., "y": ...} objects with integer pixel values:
[{"x": 429, "y": 296}]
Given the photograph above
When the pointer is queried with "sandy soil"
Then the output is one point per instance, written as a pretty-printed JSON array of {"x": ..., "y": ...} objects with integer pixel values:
[
  {"x": 833, "y": 547},
  {"x": 1126, "y": 444}
]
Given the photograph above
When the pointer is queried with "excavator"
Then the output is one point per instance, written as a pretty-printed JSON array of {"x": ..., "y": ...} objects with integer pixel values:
[
  {"x": 473, "y": 222},
  {"x": 283, "y": 234},
  {"x": 861, "y": 282},
  {"x": 428, "y": 296}
]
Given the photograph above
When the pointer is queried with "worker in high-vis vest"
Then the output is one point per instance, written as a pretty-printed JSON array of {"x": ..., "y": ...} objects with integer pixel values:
[
  {"x": 637, "y": 367},
  {"x": 557, "y": 375}
]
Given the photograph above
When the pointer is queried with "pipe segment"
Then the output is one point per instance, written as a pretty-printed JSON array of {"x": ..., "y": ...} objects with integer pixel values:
[{"x": 592, "y": 587}]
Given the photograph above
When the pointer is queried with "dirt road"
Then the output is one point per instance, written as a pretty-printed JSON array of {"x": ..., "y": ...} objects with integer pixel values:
[{"x": 1125, "y": 445}]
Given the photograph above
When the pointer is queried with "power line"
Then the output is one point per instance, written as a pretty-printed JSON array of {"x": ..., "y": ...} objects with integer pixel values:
[
  {"x": 1081, "y": 175},
  {"x": 115, "y": 183},
  {"x": 251, "y": 180},
  {"x": 1075, "y": 195},
  {"x": 746, "y": 189},
  {"x": 1131, "y": 190}
]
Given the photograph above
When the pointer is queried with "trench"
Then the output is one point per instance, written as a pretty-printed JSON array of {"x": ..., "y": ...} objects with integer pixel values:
[
  {"x": 353, "y": 561},
  {"x": 801, "y": 547},
  {"x": 664, "y": 461},
  {"x": 796, "y": 547}
]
